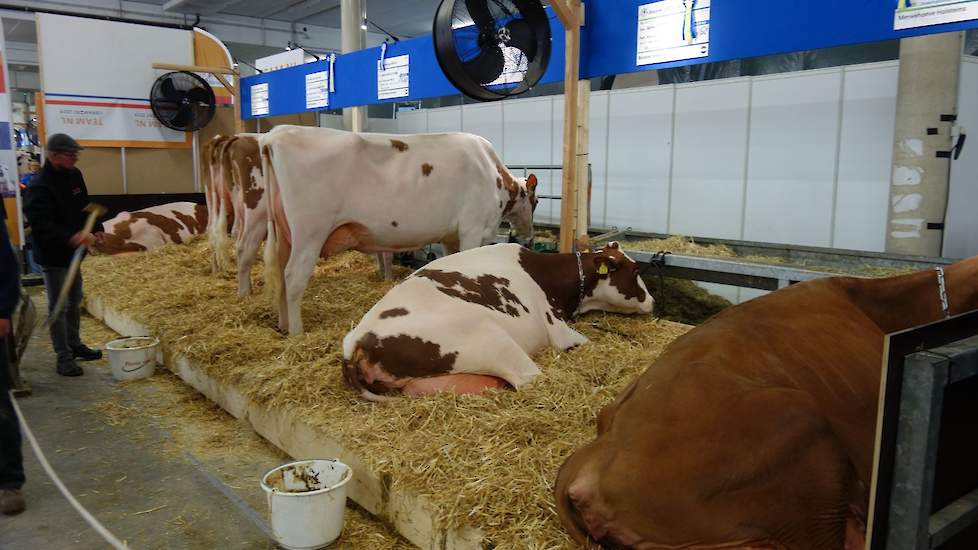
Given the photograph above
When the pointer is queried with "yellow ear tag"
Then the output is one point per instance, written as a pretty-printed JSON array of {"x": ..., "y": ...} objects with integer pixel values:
[{"x": 603, "y": 270}]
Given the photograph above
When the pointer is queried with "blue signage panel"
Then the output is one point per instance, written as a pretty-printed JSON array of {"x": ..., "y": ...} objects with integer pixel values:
[{"x": 738, "y": 29}]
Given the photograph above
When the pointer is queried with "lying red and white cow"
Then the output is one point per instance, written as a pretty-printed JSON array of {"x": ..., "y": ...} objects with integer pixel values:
[
  {"x": 153, "y": 227},
  {"x": 473, "y": 320},
  {"x": 241, "y": 171},
  {"x": 757, "y": 428},
  {"x": 331, "y": 191}
]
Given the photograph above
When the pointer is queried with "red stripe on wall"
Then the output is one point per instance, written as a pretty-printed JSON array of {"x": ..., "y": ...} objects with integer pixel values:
[{"x": 94, "y": 104}]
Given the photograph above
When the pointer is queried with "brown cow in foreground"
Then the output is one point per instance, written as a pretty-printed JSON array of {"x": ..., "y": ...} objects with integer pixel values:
[{"x": 756, "y": 429}]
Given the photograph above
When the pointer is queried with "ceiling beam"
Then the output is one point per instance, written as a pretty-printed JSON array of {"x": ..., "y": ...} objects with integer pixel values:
[
  {"x": 297, "y": 11},
  {"x": 192, "y": 6}
]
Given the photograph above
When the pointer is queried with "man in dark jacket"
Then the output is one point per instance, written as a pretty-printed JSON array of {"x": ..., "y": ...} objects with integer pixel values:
[
  {"x": 55, "y": 208},
  {"x": 11, "y": 460}
]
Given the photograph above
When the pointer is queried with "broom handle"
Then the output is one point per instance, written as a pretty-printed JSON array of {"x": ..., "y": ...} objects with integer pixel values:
[{"x": 72, "y": 270}]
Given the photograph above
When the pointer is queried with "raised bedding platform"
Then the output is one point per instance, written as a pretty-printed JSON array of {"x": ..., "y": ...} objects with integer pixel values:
[{"x": 447, "y": 471}]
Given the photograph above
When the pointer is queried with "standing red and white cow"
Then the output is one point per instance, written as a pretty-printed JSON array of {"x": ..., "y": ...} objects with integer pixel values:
[
  {"x": 241, "y": 169},
  {"x": 473, "y": 320},
  {"x": 220, "y": 207},
  {"x": 331, "y": 191},
  {"x": 153, "y": 227}
]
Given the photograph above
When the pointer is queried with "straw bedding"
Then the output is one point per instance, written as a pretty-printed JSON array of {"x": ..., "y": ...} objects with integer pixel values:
[{"x": 485, "y": 461}]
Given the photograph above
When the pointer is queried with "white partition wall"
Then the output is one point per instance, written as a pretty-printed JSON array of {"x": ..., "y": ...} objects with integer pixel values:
[
  {"x": 865, "y": 156},
  {"x": 792, "y": 162},
  {"x": 709, "y": 159},
  {"x": 639, "y": 150},
  {"x": 799, "y": 158},
  {"x": 961, "y": 237},
  {"x": 528, "y": 133}
]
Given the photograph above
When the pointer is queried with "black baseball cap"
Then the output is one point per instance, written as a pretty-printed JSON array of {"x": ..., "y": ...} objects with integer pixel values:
[{"x": 63, "y": 143}]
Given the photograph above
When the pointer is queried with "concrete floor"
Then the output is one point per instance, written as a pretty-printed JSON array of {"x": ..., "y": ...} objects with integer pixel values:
[{"x": 157, "y": 464}]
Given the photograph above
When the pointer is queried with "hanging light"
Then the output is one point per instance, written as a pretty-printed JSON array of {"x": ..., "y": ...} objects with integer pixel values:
[{"x": 363, "y": 24}]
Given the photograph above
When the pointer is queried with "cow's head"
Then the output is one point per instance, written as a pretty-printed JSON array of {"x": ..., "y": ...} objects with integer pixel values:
[
  {"x": 518, "y": 210},
  {"x": 618, "y": 287}
]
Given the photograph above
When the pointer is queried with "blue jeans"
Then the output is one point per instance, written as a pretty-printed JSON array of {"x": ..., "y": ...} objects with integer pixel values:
[
  {"x": 11, "y": 459},
  {"x": 64, "y": 329}
]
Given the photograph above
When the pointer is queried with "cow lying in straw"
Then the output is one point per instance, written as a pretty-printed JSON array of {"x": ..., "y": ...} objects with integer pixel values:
[
  {"x": 755, "y": 429},
  {"x": 151, "y": 228},
  {"x": 472, "y": 320}
]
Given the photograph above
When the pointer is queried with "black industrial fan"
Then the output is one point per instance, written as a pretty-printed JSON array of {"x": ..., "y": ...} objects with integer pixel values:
[
  {"x": 492, "y": 49},
  {"x": 182, "y": 101}
]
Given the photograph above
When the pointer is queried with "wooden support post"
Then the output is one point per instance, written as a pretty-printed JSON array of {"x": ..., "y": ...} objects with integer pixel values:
[
  {"x": 193, "y": 68},
  {"x": 582, "y": 176},
  {"x": 571, "y": 16}
]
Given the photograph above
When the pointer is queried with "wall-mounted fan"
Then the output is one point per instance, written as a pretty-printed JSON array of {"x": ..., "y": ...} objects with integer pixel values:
[
  {"x": 492, "y": 49},
  {"x": 182, "y": 101}
]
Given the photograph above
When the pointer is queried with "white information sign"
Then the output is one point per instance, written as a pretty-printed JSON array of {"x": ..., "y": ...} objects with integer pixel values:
[
  {"x": 672, "y": 30},
  {"x": 259, "y": 99},
  {"x": 911, "y": 14},
  {"x": 393, "y": 77},
  {"x": 317, "y": 90}
]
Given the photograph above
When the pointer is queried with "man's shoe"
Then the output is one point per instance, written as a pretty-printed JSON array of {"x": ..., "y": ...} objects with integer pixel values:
[
  {"x": 11, "y": 502},
  {"x": 86, "y": 353},
  {"x": 69, "y": 368}
]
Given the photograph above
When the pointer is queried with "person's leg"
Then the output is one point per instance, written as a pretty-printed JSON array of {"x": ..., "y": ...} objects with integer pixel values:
[
  {"x": 54, "y": 278},
  {"x": 73, "y": 322},
  {"x": 11, "y": 459}
]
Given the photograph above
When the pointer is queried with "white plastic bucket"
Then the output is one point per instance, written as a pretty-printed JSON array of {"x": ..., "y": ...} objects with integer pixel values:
[
  {"x": 306, "y": 502},
  {"x": 133, "y": 357}
]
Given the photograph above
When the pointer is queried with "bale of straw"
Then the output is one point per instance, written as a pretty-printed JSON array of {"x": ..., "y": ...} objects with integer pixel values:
[{"x": 486, "y": 461}]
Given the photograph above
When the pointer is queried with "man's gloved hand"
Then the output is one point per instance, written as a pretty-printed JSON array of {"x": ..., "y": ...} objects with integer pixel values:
[{"x": 82, "y": 238}]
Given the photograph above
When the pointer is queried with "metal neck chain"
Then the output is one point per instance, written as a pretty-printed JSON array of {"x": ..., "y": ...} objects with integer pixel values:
[
  {"x": 943, "y": 290},
  {"x": 580, "y": 287}
]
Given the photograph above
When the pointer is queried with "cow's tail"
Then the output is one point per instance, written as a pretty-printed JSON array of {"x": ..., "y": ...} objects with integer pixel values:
[
  {"x": 351, "y": 373},
  {"x": 273, "y": 271}
]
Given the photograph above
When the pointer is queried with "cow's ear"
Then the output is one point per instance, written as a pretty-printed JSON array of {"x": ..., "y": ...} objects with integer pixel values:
[
  {"x": 531, "y": 183},
  {"x": 614, "y": 245}
]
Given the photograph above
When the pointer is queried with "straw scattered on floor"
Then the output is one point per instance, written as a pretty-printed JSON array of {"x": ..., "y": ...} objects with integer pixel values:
[{"x": 484, "y": 461}]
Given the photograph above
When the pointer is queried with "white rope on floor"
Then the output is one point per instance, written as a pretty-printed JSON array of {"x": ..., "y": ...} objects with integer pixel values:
[{"x": 89, "y": 518}]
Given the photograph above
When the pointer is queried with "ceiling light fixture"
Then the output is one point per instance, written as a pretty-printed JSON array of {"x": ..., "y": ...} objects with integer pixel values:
[{"x": 363, "y": 24}]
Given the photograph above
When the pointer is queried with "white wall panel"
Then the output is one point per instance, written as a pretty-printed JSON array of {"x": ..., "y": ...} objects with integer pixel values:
[
  {"x": 412, "y": 122},
  {"x": 598, "y": 156},
  {"x": 557, "y": 154},
  {"x": 639, "y": 157},
  {"x": 445, "y": 119},
  {"x": 528, "y": 136},
  {"x": 793, "y": 156},
  {"x": 382, "y": 126},
  {"x": 961, "y": 236},
  {"x": 866, "y": 156},
  {"x": 709, "y": 154},
  {"x": 485, "y": 120}
]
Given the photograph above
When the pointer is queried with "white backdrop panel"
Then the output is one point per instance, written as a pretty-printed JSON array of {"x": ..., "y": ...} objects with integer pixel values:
[
  {"x": 793, "y": 156},
  {"x": 412, "y": 122},
  {"x": 709, "y": 155},
  {"x": 865, "y": 156},
  {"x": 557, "y": 154},
  {"x": 961, "y": 237},
  {"x": 527, "y": 139},
  {"x": 598, "y": 157},
  {"x": 83, "y": 56},
  {"x": 445, "y": 119},
  {"x": 485, "y": 120},
  {"x": 639, "y": 155}
]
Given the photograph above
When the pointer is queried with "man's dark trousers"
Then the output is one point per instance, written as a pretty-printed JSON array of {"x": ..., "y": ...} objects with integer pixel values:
[{"x": 64, "y": 329}]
